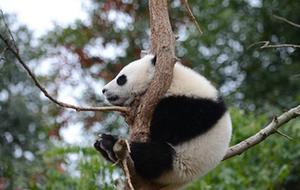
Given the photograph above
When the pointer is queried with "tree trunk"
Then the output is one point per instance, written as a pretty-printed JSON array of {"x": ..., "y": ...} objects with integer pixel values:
[{"x": 163, "y": 46}]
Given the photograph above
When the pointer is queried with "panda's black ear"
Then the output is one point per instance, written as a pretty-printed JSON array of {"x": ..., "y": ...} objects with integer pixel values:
[{"x": 153, "y": 61}]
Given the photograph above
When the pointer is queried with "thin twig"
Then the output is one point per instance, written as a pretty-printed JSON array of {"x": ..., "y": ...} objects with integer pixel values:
[
  {"x": 287, "y": 21},
  {"x": 270, "y": 129},
  {"x": 122, "y": 151},
  {"x": 125, "y": 166},
  {"x": 191, "y": 15},
  {"x": 266, "y": 44},
  {"x": 256, "y": 43},
  {"x": 8, "y": 30},
  {"x": 295, "y": 76},
  {"x": 14, "y": 51},
  {"x": 127, "y": 173},
  {"x": 284, "y": 135}
]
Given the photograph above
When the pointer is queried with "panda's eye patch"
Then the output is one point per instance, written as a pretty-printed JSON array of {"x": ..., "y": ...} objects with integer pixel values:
[{"x": 121, "y": 80}]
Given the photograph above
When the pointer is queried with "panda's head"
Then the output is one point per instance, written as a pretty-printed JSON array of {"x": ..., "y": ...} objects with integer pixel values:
[{"x": 132, "y": 80}]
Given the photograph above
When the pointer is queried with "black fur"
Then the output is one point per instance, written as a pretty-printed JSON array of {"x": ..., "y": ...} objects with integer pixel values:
[
  {"x": 151, "y": 159},
  {"x": 153, "y": 61},
  {"x": 122, "y": 80},
  {"x": 105, "y": 146},
  {"x": 179, "y": 118}
]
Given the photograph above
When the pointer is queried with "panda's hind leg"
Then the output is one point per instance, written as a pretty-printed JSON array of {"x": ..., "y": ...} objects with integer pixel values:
[{"x": 151, "y": 159}]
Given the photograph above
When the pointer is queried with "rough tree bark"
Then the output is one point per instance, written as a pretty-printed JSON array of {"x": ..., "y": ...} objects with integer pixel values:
[{"x": 163, "y": 46}]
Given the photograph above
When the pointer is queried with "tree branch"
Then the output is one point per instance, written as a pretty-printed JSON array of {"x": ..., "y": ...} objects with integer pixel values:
[
  {"x": 287, "y": 21},
  {"x": 122, "y": 151},
  {"x": 11, "y": 46},
  {"x": 266, "y": 44},
  {"x": 270, "y": 129},
  {"x": 191, "y": 15}
]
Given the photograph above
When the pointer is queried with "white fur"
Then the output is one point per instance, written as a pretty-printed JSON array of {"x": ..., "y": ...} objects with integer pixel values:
[
  {"x": 140, "y": 73},
  {"x": 189, "y": 83},
  {"x": 198, "y": 156}
]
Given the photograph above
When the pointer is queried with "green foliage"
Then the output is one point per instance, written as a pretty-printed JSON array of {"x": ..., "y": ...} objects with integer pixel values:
[
  {"x": 23, "y": 132},
  {"x": 270, "y": 165},
  {"x": 89, "y": 170}
]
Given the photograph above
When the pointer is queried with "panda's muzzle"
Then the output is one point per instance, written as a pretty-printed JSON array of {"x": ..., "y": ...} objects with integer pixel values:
[{"x": 112, "y": 98}]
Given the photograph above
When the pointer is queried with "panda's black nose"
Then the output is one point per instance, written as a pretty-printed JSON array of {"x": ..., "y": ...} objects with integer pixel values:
[{"x": 104, "y": 90}]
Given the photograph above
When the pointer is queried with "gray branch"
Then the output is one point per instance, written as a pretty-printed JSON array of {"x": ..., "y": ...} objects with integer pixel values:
[{"x": 270, "y": 129}]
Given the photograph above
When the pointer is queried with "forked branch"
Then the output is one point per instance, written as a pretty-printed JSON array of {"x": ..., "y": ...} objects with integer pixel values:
[{"x": 267, "y": 44}]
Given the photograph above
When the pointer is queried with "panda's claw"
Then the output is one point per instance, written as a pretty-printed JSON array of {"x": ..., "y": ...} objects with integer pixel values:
[
  {"x": 97, "y": 145},
  {"x": 109, "y": 151},
  {"x": 104, "y": 144}
]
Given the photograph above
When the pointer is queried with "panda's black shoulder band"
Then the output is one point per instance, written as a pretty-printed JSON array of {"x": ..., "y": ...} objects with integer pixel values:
[{"x": 177, "y": 119}]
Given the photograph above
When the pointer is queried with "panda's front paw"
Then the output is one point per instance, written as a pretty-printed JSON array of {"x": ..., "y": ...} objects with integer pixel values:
[{"x": 104, "y": 144}]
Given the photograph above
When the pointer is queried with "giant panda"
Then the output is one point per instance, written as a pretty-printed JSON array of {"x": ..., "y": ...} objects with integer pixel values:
[{"x": 190, "y": 128}]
